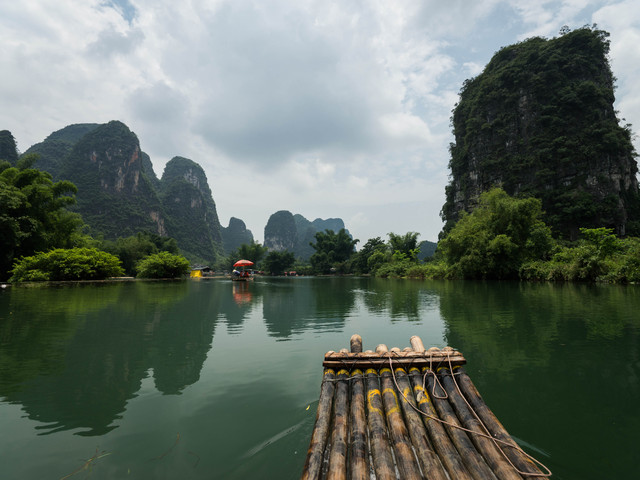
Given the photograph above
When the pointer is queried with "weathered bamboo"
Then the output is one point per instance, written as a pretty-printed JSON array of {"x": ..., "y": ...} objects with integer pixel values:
[
  {"x": 380, "y": 359},
  {"x": 380, "y": 451},
  {"x": 473, "y": 460},
  {"x": 340, "y": 435},
  {"x": 359, "y": 454},
  {"x": 313, "y": 463},
  {"x": 400, "y": 440},
  {"x": 439, "y": 439},
  {"x": 416, "y": 344},
  {"x": 415, "y": 429},
  {"x": 429, "y": 462},
  {"x": 356, "y": 343},
  {"x": 497, "y": 430},
  {"x": 494, "y": 457}
]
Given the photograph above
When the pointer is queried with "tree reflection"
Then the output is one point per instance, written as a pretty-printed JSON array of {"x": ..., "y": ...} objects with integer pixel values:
[{"x": 76, "y": 368}]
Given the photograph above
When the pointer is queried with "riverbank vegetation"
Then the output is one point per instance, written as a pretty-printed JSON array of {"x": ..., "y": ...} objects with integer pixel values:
[{"x": 504, "y": 238}]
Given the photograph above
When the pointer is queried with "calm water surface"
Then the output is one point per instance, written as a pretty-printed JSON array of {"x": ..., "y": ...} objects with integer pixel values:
[{"x": 209, "y": 379}]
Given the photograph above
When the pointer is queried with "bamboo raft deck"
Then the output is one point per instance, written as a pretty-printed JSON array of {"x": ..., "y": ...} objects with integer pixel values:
[{"x": 408, "y": 414}]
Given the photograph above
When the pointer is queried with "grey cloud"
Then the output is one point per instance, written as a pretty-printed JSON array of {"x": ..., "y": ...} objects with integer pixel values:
[
  {"x": 111, "y": 43},
  {"x": 278, "y": 85}
]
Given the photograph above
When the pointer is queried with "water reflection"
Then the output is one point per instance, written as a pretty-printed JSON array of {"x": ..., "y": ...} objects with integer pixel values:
[
  {"x": 75, "y": 364},
  {"x": 294, "y": 305}
]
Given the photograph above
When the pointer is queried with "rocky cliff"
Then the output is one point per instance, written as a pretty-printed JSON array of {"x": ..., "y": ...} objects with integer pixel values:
[
  {"x": 539, "y": 121},
  {"x": 119, "y": 194},
  {"x": 286, "y": 231},
  {"x": 235, "y": 235},
  {"x": 115, "y": 197},
  {"x": 191, "y": 213}
]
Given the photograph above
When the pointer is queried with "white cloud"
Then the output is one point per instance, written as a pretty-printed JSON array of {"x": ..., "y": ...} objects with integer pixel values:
[{"x": 325, "y": 108}]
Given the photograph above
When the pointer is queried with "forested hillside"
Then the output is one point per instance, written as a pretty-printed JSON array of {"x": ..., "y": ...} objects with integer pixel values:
[
  {"x": 119, "y": 193},
  {"x": 539, "y": 121}
]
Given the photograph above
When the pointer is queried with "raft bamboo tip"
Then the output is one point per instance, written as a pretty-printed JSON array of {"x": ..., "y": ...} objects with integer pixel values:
[
  {"x": 356, "y": 338},
  {"x": 433, "y": 350}
]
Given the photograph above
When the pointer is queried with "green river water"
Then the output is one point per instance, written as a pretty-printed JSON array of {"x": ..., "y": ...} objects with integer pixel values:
[{"x": 212, "y": 379}]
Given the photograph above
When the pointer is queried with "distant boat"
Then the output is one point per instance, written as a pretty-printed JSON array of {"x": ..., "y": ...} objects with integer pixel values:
[{"x": 242, "y": 275}]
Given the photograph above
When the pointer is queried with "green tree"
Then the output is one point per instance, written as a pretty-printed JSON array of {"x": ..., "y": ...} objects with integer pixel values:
[
  {"x": 33, "y": 215},
  {"x": 404, "y": 246},
  {"x": 163, "y": 265},
  {"x": 361, "y": 258},
  {"x": 332, "y": 250},
  {"x": 276, "y": 263},
  {"x": 247, "y": 251},
  {"x": 496, "y": 238},
  {"x": 132, "y": 249},
  {"x": 67, "y": 264}
]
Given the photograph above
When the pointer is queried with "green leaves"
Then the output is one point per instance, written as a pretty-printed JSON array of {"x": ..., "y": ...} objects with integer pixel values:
[
  {"x": 67, "y": 264},
  {"x": 496, "y": 238},
  {"x": 332, "y": 249},
  {"x": 163, "y": 265}
]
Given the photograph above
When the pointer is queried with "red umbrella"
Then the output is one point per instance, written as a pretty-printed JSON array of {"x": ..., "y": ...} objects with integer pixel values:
[{"x": 243, "y": 263}]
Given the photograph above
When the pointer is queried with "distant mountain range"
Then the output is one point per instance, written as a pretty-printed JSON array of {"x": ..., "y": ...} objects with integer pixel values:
[
  {"x": 286, "y": 231},
  {"x": 119, "y": 195}
]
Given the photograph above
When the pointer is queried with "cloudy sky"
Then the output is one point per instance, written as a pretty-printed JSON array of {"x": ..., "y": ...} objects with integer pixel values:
[{"x": 323, "y": 108}]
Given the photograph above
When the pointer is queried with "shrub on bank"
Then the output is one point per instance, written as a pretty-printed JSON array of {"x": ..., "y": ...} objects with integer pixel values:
[
  {"x": 163, "y": 265},
  {"x": 67, "y": 264}
]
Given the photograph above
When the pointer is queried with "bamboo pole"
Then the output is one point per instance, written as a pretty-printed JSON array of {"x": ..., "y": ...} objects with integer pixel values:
[
  {"x": 359, "y": 455},
  {"x": 429, "y": 461},
  {"x": 339, "y": 436},
  {"x": 471, "y": 457},
  {"x": 356, "y": 343},
  {"x": 400, "y": 440},
  {"x": 382, "y": 459},
  {"x": 313, "y": 463},
  {"x": 497, "y": 430},
  {"x": 416, "y": 344},
  {"x": 358, "y": 452},
  {"x": 496, "y": 460},
  {"x": 439, "y": 439}
]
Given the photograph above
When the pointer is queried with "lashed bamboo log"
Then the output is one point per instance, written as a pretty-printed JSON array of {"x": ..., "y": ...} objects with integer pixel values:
[
  {"x": 356, "y": 343},
  {"x": 473, "y": 460},
  {"x": 380, "y": 451},
  {"x": 416, "y": 343},
  {"x": 400, "y": 440},
  {"x": 339, "y": 437},
  {"x": 380, "y": 359},
  {"x": 429, "y": 462},
  {"x": 496, "y": 460},
  {"x": 497, "y": 430},
  {"x": 313, "y": 463},
  {"x": 358, "y": 454},
  {"x": 439, "y": 439}
]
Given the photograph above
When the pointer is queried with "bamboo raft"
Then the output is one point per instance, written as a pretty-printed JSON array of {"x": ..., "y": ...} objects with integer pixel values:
[{"x": 408, "y": 414}]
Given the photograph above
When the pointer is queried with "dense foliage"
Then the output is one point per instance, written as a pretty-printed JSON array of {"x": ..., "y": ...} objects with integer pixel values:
[
  {"x": 33, "y": 215},
  {"x": 67, "y": 264},
  {"x": 163, "y": 265},
  {"x": 496, "y": 238},
  {"x": 333, "y": 252},
  {"x": 131, "y": 250},
  {"x": 598, "y": 256},
  {"x": 539, "y": 121},
  {"x": 276, "y": 263}
]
